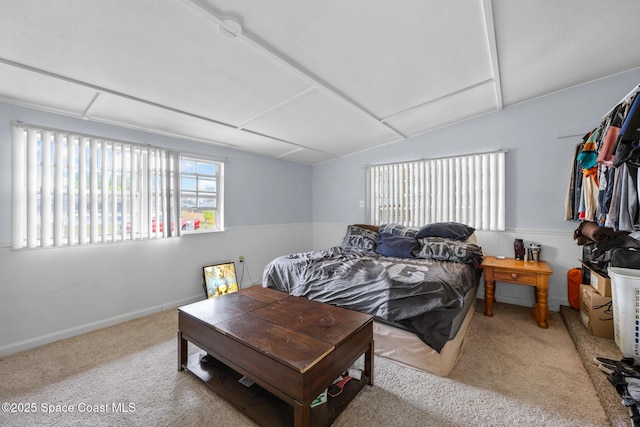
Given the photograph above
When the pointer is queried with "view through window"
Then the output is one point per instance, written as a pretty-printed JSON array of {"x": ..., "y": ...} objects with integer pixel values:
[{"x": 200, "y": 201}]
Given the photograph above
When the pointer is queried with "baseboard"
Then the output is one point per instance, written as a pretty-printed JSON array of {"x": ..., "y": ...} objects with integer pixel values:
[{"x": 78, "y": 330}]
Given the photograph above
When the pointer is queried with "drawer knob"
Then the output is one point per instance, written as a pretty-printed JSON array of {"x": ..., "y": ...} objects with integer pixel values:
[{"x": 514, "y": 276}]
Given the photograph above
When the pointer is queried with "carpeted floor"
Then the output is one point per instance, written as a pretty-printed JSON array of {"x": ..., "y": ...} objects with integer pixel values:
[
  {"x": 510, "y": 373},
  {"x": 589, "y": 347}
]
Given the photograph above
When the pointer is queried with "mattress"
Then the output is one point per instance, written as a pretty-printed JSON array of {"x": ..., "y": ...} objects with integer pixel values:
[{"x": 405, "y": 348}]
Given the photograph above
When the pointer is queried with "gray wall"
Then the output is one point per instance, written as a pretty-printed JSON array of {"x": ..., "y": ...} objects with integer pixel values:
[
  {"x": 258, "y": 190},
  {"x": 52, "y": 293},
  {"x": 275, "y": 207},
  {"x": 538, "y": 166}
]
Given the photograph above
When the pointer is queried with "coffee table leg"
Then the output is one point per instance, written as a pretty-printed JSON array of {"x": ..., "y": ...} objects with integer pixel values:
[
  {"x": 368, "y": 363},
  {"x": 301, "y": 414},
  {"x": 182, "y": 352}
]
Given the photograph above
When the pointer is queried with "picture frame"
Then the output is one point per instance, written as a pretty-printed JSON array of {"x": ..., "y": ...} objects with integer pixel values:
[{"x": 219, "y": 279}]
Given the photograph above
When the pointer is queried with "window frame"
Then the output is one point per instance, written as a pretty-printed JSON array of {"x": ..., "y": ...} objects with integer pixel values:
[{"x": 217, "y": 194}]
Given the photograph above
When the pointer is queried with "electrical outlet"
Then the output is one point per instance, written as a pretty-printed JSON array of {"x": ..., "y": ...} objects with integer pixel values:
[{"x": 241, "y": 258}]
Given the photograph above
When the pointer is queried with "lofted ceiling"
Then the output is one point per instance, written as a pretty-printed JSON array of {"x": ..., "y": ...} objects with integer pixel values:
[{"x": 302, "y": 80}]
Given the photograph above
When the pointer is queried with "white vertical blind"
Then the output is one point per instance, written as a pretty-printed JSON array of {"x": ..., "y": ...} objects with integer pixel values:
[
  {"x": 82, "y": 190},
  {"x": 104, "y": 192},
  {"x": 126, "y": 210},
  {"x": 58, "y": 188},
  {"x": 93, "y": 190},
  {"x": 467, "y": 189},
  {"x": 133, "y": 196},
  {"x": 18, "y": 187},
  {"x": 161, "y": 214},
  {"x": 75, "y": 189},
  {"x": 32, "y": 194},
  {"x": 116, "y": 229},
  {"x": 71, "y": 189},
  {"x": 45, "y": 190}
]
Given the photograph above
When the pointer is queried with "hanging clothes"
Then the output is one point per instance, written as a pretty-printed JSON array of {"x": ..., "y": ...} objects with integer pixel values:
[
  {"x": 591, "y": 191},
  {"x": 628, "y": 200},
  {"x": 574, "y": 189},
  {"x": 611, "y": 131},
  {"x": 605, "y": 184}
]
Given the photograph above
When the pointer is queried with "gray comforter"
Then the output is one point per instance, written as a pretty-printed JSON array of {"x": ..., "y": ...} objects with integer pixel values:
[{"x": 420, "y": 295}]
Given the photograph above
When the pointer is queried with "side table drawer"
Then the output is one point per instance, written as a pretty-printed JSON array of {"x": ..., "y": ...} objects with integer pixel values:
[{"x": 515, "y": 277}]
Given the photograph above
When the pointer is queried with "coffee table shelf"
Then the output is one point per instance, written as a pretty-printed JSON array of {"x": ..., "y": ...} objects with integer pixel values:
[{"x": 262, "y": 406}]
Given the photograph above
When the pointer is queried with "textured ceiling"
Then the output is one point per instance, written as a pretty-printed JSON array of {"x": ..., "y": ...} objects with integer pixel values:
[{"x": 306, "y": 81}]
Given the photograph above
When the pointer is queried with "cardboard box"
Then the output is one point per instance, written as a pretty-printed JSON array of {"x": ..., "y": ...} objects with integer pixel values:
[
  {"x": 596, "y": 312},
  {"x": 601, "y": 283}
]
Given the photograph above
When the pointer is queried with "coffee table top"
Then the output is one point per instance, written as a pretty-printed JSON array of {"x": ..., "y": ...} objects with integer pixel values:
[{"x": 295, "y": 331}]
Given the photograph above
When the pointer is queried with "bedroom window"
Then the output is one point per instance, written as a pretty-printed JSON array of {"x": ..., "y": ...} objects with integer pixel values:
[
  {"x": 467, "y": 189},
  {"x": 71, "y": 189},
  {"x": 201, "y": 194}
]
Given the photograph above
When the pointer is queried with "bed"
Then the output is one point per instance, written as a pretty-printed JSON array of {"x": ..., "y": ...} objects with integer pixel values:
[{"x": 419, "y": 284}]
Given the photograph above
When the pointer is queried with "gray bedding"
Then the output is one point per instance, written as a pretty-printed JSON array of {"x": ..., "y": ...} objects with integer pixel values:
[{"x": 420, "y": 295}]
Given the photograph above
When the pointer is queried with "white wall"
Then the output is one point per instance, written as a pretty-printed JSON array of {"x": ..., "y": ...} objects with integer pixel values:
[{"x": 538, "y": 165}]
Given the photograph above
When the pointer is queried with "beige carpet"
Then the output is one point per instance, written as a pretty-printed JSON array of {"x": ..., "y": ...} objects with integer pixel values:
[
  {"x": 511, "y": 373},
  {"x": 588, "y": 348}
]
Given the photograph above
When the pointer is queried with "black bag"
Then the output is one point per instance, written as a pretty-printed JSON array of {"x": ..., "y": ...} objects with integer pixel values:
[
  {"x": 625, "y": 257},
  {"x": 602, "y": 251}
]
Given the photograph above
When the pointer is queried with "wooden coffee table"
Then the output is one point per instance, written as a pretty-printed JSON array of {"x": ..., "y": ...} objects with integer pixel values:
[{"x": 290, "y": 347}]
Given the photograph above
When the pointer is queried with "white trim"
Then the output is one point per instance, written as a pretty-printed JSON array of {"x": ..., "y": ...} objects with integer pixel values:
[{"x": 93, "y": 326}]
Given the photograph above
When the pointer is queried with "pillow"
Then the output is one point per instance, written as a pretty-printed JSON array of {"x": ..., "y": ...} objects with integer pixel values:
[
  {"x": 396, "y": 246},
  {"x": 397, "y": 229},
  {"x": 448, "y": 230},
  {"x": 359, "y": 238},
  {"x": 443, "y": 249}
]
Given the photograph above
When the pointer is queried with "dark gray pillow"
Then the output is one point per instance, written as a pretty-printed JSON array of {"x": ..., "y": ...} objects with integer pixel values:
[
  {"x": 397, "y": 229},
  {"x": 448, "y": 230},
  {"x": 359, "y": 238},
  {"x": 443, "y": 249},
  {"x": 396, "y": 246}
]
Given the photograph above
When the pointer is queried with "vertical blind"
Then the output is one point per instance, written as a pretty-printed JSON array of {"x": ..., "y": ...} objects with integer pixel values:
[
  {"x": 70, "y": 189},
  {"x": 468, "y": 189}
]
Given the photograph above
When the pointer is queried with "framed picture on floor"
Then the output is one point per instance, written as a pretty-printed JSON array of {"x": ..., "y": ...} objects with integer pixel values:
[{"x": 220, "y": 279}]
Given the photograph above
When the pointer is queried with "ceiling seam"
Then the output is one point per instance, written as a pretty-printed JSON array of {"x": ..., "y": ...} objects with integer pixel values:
[
  {"x": 487, "y": 8},
  {"x": 206, "y": 10},
  {"x": 103, "y": 92},
  {"x": 275, "y": 107},
  {"x": 298, "y": 146},
  {"x": 110, "y": 92},
  {"x": 441, "y": 98},
  {"x": 100, "y": 96}
]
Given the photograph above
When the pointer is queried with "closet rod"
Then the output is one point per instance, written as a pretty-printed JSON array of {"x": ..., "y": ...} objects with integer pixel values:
[{"x": 625, "y": 99}]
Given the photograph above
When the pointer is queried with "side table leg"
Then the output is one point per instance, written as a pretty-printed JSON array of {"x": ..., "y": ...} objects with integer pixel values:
[
  {"x": 489, "y": 292},
  {"x": 541, "y": 309},
  {"x": 182, "y": 352}
]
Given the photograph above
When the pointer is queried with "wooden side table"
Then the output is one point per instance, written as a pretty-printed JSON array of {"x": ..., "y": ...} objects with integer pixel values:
[{"x": 509, "y": 270}]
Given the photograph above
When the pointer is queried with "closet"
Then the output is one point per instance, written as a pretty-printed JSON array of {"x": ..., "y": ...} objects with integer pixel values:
[{"x": 603, "y": 186}]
